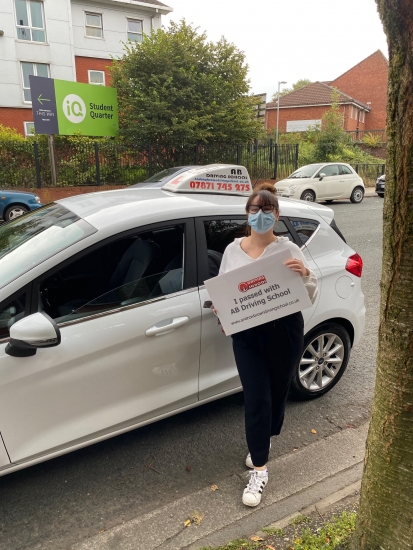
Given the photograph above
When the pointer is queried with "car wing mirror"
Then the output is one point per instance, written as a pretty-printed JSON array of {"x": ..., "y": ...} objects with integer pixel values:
[
  {"x": 33, "y": 332},
  {"x": 321, "y": 176}
]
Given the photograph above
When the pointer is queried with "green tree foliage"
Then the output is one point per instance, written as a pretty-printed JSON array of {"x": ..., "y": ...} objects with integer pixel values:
[
  {"x": 331, "y": 138},
  {"x": 176, "y": 87},
  {"x": 296, "y": 86}
]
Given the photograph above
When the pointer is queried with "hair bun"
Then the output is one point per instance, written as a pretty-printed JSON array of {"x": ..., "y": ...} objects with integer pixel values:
[{"x": 266, "y": 186}]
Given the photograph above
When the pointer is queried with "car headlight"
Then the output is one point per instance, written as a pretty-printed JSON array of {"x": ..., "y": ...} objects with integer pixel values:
[
  {"x": 37, "y": 199},
  {"x": 293, "y": 188}
]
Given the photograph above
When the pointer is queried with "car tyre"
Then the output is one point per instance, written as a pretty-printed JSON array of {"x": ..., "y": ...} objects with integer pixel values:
[
  {"x": 357, "y": 195},
  {"x": 15, "y": 211},
  {"x": 329, "y": 340},
  {"x": 381, "y": 195},
  {"x": 308, "y": 195}
]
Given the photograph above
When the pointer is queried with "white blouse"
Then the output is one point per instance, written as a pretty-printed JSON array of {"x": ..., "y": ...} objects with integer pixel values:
[{"x": 234, "y": 257}]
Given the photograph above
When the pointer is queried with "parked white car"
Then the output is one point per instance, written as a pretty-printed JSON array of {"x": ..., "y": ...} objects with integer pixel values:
[
  {"x": 104, "y": 318},
  {"x": 323, "y": 182}
]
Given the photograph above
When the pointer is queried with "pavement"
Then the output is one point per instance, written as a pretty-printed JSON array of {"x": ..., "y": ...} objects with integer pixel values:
[{"x": 320, "y": 473}]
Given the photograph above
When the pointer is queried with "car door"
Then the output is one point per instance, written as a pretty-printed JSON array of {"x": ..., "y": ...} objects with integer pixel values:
[
  {"x": 129, "y": 315},
  {"x": 349, "y": 179},
  {"x": 218, "y": 372},
  {"x": 331, "y": 185}
]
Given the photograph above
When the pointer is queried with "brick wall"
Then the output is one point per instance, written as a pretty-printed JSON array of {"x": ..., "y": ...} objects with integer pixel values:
[
  {"x": 14, "y": 118},
  {"x": 367, "y": 82},
  {"x": 50, "y": 194},
  {"x": 308, "y": 113},
  {"x": 85, "y": 64}
]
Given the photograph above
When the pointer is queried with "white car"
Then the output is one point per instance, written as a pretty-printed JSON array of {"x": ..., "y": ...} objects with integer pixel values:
[
  {"x": 323, "y": 182},
  {"x": 104, "y": 317}
]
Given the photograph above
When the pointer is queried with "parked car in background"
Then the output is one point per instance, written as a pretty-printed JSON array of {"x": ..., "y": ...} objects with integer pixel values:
[
  {"x": 159, "y": 179},
  {"x": 16, "y": 203},
  {"x": 323, "y": 182},
  {"x": 380, "y": 185}
]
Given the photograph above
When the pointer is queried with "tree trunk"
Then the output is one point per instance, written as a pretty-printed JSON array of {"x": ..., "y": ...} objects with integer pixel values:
[{"x": 385, "y": 519}]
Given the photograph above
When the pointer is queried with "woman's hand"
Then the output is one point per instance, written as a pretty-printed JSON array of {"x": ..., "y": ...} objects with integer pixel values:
[
  {"x": 219, "y": 322},
  {"x": 297, "y": 265}
]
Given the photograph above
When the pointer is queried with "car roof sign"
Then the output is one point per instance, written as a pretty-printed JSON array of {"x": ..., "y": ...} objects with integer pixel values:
[{"x": 219, "y": 179}]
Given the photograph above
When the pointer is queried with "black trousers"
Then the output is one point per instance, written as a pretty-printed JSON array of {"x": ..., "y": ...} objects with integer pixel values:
[{"x": 266, "y": 357}]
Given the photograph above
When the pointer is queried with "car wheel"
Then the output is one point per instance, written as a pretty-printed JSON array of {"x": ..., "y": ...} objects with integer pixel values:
[
  {"x": 14, "y": 212},
  {"x": 323, "y": 362},
  {"x": 308, "y": 196},
  {"x": 381, "y": 195},
  {"x": 357, "y": 195}
]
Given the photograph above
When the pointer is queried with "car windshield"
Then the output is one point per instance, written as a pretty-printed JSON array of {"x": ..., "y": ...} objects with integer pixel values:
[
  {"x": 160, "y": 176},
  {"x": 29, "y": 240},
  {"x": 305, "y": 171}
]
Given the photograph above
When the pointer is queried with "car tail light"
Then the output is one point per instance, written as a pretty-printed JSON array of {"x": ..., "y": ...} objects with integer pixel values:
[{"x": 354, "y": 265}]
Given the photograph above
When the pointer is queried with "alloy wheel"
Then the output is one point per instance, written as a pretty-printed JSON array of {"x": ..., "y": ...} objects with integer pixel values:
[{"x": 321, "y": 361}]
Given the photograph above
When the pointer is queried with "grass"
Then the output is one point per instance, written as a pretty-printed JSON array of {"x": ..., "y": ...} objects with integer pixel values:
[{"x": 334, "y": 534}]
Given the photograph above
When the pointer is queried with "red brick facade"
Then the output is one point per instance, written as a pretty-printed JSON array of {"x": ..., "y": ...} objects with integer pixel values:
[
  {"x": 14, "y": 118},
  {"x": 367, "y": 82},
  {"x": 85, "y": 64}
]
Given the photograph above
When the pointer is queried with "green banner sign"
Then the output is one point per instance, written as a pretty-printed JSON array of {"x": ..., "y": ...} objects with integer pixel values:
[{"x": 77, "y": 108}]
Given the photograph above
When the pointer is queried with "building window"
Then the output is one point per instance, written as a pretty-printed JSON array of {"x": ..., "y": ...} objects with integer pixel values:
[
  {"x": 351, "y": 111},
  {"x": 35, "y": 69},
  {"x": 30, "y": 20},
  {"x": 97, "y": 77},
  {"x": 94, "y": 26},
  {"x": 28, "y": 128},
  {"x": 135, "y": 30},
  {"x": 362, "y": 116}
]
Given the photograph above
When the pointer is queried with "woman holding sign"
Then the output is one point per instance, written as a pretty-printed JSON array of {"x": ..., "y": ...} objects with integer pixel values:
[{"x": 266, "y": 355}]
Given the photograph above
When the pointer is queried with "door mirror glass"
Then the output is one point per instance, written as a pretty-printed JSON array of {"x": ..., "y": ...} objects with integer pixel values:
[{"x": 32, "y": 332}]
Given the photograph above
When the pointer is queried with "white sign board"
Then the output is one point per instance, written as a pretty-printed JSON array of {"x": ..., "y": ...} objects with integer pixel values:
[
  {"x": 225, "y": 179},
  {"x": 302, "y": 125},
  {"x": 257, "y": 293}
]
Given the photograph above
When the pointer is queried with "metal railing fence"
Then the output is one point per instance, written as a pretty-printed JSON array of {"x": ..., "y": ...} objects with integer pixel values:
[{"x": 26, "y": 164}]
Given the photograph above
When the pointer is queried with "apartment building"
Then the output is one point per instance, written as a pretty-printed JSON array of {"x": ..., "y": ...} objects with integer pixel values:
[{"x": 67, "y": 40}]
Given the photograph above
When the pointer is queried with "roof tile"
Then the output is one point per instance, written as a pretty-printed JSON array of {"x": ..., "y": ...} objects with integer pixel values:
[{"x": 316, "y": 93}]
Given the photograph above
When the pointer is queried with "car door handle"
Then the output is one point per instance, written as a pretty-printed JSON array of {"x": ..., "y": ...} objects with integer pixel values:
[{"x": 163, "y": 329}]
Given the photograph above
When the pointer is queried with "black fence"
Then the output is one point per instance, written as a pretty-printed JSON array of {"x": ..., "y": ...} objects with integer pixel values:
[
  {"x": 369, "y": 137},
  {"x": 369, "y": 172},
  {"x": 26, "y": 164}
]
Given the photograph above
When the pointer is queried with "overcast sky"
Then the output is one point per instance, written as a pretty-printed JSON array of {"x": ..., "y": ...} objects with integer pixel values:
[{"x": 289, "y": 39}]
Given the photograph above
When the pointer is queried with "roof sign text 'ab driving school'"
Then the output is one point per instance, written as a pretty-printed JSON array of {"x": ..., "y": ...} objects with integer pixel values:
[{"x": 67, "y": 108}]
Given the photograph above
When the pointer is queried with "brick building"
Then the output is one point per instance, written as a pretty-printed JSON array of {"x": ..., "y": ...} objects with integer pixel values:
[
  {"x": 64, "y": 39},
  {"x": 362, "y": 99}
]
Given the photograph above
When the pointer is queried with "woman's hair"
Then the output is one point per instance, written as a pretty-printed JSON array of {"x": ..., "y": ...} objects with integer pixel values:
[{"x": 267, "y": 195}]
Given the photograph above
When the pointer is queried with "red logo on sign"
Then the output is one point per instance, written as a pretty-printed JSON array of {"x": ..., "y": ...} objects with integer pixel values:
[{"x": 247, "y": 285}]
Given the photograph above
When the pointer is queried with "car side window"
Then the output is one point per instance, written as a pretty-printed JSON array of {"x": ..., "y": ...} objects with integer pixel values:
[
  {"x": 10, "y": 313},
  {"x": 304, "y": 228},
  {"x": 344, "y": 170},
  {"x": 329, "y": 170},
  {"x": 220, "y": 233},
  {"x": 133, "y": 269}
]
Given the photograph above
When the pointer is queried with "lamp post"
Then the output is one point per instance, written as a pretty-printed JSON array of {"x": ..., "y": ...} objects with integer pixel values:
[{"x": 278, "y": 111}]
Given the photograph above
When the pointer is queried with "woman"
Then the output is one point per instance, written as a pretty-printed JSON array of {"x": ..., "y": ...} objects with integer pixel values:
[{"x": 266, "y": 355}]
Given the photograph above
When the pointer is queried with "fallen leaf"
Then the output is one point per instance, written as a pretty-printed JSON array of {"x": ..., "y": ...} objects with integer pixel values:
[
  {"x": 187, "y": 523},
  {"x": 188, "y": 468},
  {"x": 313, "y": 431},
  {"x": 270, "y": 547},
  {"x": 214, "y": 487},
  {"x": 256, "y": 538},
  {"x": 196, "y": 517}
]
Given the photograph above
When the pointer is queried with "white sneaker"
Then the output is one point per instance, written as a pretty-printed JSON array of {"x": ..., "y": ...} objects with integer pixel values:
[
  {"x": 253, "y": 491},
  {"x": 248, "y": 460}
]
